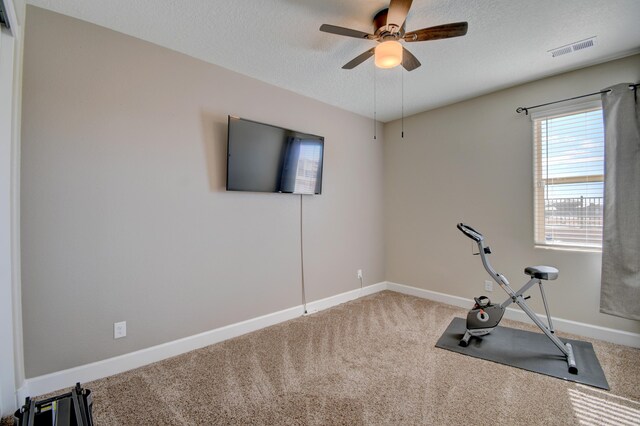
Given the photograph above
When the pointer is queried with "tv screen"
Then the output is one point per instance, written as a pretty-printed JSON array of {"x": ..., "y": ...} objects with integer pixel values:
[{"x": 265, "y": 158}]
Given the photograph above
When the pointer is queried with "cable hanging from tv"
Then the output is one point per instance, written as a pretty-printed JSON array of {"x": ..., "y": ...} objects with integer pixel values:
[{"x": 520, "y": 110}]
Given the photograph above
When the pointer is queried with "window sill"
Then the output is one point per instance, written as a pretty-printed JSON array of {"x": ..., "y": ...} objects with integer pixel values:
[{"x": 569, "y": 248}]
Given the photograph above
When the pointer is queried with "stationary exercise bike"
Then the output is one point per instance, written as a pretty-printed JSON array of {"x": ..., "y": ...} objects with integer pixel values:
[{"x": 485, "y": 316}]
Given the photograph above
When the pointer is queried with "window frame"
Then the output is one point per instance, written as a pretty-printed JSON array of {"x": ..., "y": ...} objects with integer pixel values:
[{"x": 538, "y": 205}]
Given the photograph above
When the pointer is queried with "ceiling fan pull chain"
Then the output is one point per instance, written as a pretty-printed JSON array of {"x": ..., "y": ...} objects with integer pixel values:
[
  {"x": 402, "y": 101},
  {"x": 374, "y": 103}
]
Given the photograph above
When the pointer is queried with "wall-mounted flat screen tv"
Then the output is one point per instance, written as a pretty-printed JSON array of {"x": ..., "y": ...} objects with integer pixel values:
[{"x": 265, "y": 158}]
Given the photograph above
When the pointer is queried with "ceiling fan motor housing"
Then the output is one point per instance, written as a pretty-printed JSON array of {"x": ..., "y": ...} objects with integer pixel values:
[{"x": 382, "y": 30}]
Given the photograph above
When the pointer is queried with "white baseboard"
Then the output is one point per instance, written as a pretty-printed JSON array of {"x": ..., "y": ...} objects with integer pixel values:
[
  {"x": 593, "y": 331},
  {"x": 431, "y": 295},
  {"x": 96, "y": 370},
  {"x": 338, "y": 299}
]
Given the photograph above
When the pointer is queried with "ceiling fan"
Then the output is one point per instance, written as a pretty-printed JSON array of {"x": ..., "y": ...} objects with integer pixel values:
[{"x": 389, "y": 29}]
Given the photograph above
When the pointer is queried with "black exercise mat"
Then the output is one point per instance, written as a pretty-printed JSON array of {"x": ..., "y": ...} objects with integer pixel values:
[{"x": 527, "y": 350}]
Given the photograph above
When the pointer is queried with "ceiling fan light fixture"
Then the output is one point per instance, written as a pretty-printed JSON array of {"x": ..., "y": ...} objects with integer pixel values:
[{"x": 388, "y": 54}]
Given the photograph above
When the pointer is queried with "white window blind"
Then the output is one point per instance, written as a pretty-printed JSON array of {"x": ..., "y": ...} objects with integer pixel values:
[{"x": 569, "y": 177}]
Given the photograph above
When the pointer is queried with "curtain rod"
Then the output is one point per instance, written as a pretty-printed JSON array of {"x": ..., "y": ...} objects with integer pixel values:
[{"x": 526, "y": 109}]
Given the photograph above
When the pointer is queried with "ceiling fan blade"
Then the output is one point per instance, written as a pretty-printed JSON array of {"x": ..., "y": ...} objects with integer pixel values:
[
  {"x": 455, "y": 29},
  {"x": 409, "y": 62},
  {"x": 397, "y": 14},
  {"x": 359, "y": 59},
  {"x": 333, "y": 29}
]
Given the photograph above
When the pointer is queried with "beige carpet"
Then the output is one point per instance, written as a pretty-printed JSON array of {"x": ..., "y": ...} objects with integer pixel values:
[{"x": 371, "y": 361}]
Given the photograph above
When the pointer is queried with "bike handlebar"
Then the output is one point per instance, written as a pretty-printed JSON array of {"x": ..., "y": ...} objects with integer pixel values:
[{"x": 470, "y": 232}]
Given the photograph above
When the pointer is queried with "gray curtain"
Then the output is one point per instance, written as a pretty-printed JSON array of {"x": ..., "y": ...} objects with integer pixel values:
[{"x": 620, "y": 291}]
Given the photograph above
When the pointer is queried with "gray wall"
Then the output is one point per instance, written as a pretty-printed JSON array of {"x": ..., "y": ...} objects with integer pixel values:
[
  {"x": 124, "y": 212},
  {"x": 472, "y": 162}
]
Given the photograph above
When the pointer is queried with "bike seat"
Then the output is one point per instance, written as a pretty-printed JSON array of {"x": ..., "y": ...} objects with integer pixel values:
[{"x": 542, "y": 272}]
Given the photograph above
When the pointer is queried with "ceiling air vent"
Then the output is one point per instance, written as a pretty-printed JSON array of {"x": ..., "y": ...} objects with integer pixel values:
[
  {"x": 561, "y": 51},
  {"x": 573, "y": 47},
  {"x": 582, "y": 44}
]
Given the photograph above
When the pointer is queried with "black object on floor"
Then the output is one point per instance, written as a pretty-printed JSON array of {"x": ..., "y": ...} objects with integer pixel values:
[
  {"x": 527, "y": 350},
  {"x": 70, "y": 409}
]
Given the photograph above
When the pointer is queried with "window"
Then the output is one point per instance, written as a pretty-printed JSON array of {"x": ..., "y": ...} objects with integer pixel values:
[{"x": 569, "y": 176}]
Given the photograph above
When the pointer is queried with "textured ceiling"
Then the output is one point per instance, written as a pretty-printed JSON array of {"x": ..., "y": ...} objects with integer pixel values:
[{"x": 277, "y": 41}]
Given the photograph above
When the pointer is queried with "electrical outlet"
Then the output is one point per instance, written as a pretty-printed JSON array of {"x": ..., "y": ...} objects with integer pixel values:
[
  {"x": 488, "y": 285},
  {"x": 119, "y": 329},
  {"x": 359, "y": 272}
]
